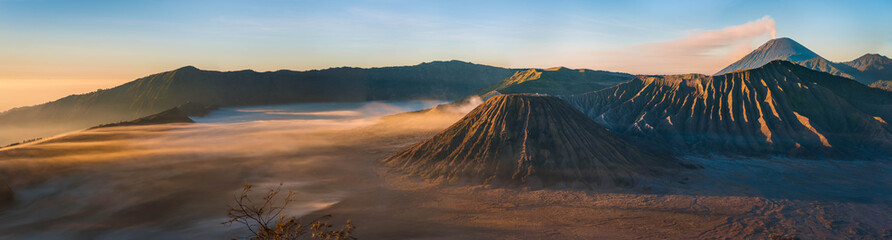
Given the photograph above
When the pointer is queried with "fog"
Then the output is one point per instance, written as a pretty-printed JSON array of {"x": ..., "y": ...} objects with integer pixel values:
[
  {"x": 326, "y": 111},
  {"x": 175, "y": 180}
]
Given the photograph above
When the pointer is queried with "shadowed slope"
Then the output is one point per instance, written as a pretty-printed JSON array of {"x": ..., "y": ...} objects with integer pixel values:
[
  {"x": 173, "y": 115},
  {"x": 779, "y": 108},
  {"x": 518, "y": 139}
]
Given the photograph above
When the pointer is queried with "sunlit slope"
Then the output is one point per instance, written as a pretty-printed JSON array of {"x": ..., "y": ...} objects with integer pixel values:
[
  {"x": 556, "y": 81},
  {"x": 780, "y": 108},
  {"x": 158, "y": 92},
  {"x": 885, "y": 85},
  {"x": 528, "y": 139}
]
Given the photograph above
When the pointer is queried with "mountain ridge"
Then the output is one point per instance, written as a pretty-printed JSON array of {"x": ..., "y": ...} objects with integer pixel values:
[
  {"x": 161, "y": 91},
  {"x": 768, "y": 110},
  {"x": 555, "y": 81}
]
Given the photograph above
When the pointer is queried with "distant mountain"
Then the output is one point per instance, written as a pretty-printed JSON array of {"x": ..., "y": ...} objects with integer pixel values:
[
  {"x": 556, "y": 81},
  {"x": 873, "y": 67},
  {"x": 866, "y": 69},
  {"x": 821, "y": 64},
  {"x": 158, "y": 92},
  {"x": 779, "y": 108},
  {"x": 528, "y": 139},
  {"x": 871, "y": 62}
]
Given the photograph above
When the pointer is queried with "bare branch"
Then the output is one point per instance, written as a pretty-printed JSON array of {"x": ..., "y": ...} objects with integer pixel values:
[{"x": 267, "y": 221}]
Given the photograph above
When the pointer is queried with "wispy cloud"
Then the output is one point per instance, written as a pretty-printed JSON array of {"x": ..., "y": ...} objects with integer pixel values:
[{"x": 699, "y": 52}]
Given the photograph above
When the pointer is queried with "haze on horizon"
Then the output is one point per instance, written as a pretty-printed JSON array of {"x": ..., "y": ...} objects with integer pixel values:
[{"x": 50, "y": 49}]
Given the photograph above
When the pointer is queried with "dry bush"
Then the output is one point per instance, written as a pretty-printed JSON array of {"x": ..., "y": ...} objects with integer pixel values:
[
  {"x": 784, "y": 237},
  {"x": 265, "y": 219}
]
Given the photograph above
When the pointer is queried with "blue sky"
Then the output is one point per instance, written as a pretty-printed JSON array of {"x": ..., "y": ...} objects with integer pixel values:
[{"x": 104, "y": 43}]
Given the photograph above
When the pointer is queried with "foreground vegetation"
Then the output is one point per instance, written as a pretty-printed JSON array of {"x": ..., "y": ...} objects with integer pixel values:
[{"x": 265, "y": 219}]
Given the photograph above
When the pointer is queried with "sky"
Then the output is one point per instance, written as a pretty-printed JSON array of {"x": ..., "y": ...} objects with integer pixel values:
[{"x": 53, "y": 48}]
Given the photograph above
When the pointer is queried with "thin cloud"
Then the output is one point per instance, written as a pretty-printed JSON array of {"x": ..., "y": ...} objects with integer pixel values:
[{"x": 700, "y": 52}]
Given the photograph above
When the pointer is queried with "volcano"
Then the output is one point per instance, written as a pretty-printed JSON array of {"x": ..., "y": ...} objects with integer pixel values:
[
  {"x": 520, "y": 139},
  {"x": 775, "y": 49},
  {"x": 788, "y": 50},
  {"x": 779, "y": 108},
  {"x": 866, "y": 69}
]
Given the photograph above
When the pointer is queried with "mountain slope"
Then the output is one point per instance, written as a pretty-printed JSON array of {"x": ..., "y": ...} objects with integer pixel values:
[
  {"x": 518, "y": 139},
  {"x": 556, "y": 81},
  {"x": 158, "y": 92},
  {"x": 173, "y": 115},
  {"x": 779, "y": 108}
]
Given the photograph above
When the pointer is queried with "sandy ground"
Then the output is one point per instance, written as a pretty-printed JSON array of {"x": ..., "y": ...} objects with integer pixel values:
[{"x": 174, "y": 181}]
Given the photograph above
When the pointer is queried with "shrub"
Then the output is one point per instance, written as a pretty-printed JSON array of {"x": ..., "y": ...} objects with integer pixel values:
[{"x": 266, "y": 220}]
